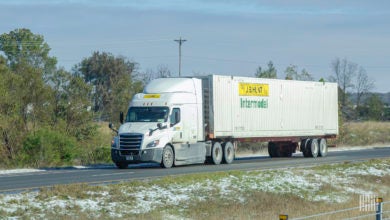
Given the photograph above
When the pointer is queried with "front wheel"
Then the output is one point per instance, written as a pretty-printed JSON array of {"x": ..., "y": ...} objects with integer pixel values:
[
  {"x": 168, "y": 157},
  {"x": 121, "y": 165}
]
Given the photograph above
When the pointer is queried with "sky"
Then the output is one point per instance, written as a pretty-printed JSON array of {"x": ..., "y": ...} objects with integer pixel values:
[{"x": 222, "y": 36}]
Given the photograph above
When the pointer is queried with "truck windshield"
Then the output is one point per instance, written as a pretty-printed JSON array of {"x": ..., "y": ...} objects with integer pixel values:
[{"x": 147, "y": 114}]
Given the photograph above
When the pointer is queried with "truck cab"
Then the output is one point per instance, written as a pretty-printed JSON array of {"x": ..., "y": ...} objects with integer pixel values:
[{"x": 153, "y": 129}]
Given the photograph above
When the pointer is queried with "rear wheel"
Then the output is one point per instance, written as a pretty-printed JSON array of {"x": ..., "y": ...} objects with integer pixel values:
[
  {"x": 323, "y": 147},
  {"x": 228, "y": 152},
  {"x": 216, "y": 153},
  {"x": 304, "y": 147},
  {"x": 273, "y": 149},
  {"x": 167, "y": 157},
  {"x": 313, "y": 148}
]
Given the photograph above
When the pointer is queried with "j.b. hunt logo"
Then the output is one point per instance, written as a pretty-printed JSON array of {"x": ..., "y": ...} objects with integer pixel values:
[{"x": 248, "y": 103}]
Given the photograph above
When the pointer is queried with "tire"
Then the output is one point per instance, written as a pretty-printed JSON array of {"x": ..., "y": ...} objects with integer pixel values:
[
  {"x": 121, "y": 165},
  {"x": 228, "y": 152},
  {"x": 168, "y": 157},
  {"x": 272, "y": 149},
  {"x": 304, "y": 147},
  {"x": 313, "y": 148},
  {"x": 216, "y": 153},
  {"x": 323, "y": 147}
]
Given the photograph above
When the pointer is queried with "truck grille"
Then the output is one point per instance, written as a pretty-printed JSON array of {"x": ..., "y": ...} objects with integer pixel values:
[{"x": 130, "y": 141}]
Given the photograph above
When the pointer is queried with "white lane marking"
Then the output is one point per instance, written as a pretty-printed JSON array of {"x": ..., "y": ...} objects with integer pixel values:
[{"x": 112, "y": 174}]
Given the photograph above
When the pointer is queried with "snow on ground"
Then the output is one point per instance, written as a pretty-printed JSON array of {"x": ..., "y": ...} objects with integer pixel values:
[
  {"x": 15, "y": 171},
  {"x": 305, "y": 183}
]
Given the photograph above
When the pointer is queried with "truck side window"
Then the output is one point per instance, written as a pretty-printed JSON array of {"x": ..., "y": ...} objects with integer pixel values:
[{"x": 175, "y": 116}]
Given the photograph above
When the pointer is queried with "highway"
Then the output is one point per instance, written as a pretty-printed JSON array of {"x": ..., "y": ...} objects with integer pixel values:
[{"x": 17, "y": 182}]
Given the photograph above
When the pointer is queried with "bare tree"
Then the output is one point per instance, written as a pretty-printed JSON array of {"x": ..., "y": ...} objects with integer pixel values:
[
  {"x": 344, "y": 72},
  {"x": 363, "y": 85}
]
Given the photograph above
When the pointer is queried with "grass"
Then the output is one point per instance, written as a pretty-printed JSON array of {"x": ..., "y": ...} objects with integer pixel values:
[
  {"x": 222, "y": 195},
  {"x": 365, "y": 133}
]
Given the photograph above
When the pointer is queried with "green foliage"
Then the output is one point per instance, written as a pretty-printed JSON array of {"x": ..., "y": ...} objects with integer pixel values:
[
  {"x": 292, "y": 74},
  {"x": 269, "y": 73},
  {"x": 22, "y": 46},
  {"x": 47, "y": 148},
  {"x": 113, "y": 81},
  {"x": 37, "y": 100}
]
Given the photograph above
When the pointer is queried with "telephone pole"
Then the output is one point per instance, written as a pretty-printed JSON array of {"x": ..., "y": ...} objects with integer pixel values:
[{"x": 180, "y": 41}]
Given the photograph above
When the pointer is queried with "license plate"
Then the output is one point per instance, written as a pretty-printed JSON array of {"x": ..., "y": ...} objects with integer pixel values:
[{"x": 130, "y": 157}]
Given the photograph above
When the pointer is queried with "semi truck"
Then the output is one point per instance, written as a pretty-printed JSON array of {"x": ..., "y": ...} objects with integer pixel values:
[{"x": 190, "y": 120}]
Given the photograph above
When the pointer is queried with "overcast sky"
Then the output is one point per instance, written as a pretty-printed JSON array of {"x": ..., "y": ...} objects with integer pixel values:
[{"x": 223, "y": 36}]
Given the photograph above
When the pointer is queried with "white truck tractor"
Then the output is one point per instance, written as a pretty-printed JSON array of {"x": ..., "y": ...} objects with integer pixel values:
[{"x": 177, "y": 121}]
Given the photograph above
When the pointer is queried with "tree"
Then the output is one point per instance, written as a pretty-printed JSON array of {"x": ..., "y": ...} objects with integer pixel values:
[
  {"x": 269, "y": 73},
  {"x": 375, "y": 108},
  {"x": 161, "y": 71},
  {"x": 363, "y": 85},
  {"x": 112, "y": 80},
  {"x": 343, "y": 71},
  {"x": 292, "y": 74},
  {"x": 22, "y": 46}
]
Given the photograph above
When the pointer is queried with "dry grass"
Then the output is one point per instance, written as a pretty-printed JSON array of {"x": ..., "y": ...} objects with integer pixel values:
[
  {"x": 365, "y": 133},
  {"x": 248, "y": 195}
]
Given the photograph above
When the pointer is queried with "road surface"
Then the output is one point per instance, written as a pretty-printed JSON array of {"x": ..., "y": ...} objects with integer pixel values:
[{"x": 16, "y": 182}]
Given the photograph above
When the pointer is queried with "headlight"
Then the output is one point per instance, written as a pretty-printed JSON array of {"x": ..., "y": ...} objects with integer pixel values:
[
  {"x": 153, "y": 143},
  {"x": 114, "y": 142}
]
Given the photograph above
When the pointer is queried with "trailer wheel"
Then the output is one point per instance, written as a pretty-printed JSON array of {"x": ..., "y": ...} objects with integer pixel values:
[
  {"x": 273, "y": 150},
  {"x": 305, "y": 148},
  {"x": 323, "y": 147},
  {"x": 216, "y": 153},
  {"x": 167, "y": 157},
  {"x": 121, "y": 165},
  {"x": 228, "y": 152},
  {"x": 313, "y": 148}
]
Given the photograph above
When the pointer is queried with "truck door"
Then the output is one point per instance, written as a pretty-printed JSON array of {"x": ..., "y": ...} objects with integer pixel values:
[{"x": 177, "y": 125}]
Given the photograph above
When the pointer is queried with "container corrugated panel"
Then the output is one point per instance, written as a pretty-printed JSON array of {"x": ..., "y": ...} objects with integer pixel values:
[{"x": 256, "y": 107}]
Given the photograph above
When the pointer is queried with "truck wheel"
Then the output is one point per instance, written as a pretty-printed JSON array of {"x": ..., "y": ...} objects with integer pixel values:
[
  {"x": 228, "y": 152},
  {"x": 272, "y": 149},
  {"x": 313, "y": 148},
  {"x": 323, "y": 147},
  {"x": 167, "y": 157},
  {"x": 121, "y": 165},
  {"x": 304, "y": 147},
  {"x": 216, "y": 153}
]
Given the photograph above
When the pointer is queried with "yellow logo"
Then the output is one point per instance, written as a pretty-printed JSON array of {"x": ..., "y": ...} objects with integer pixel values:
[
  {"x": 152, "y": 96},
  {"x": 253, "y": 89}
]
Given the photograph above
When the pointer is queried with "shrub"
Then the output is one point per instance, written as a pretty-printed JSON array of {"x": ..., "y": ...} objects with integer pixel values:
[{"x": 47, "y": 148}]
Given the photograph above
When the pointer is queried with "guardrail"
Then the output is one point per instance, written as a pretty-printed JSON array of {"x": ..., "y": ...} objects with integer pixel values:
[{"x": 377, "y": 204}]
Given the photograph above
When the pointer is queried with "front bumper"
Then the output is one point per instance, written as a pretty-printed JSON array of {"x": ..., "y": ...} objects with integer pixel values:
[{"x": 139, "y": 156}]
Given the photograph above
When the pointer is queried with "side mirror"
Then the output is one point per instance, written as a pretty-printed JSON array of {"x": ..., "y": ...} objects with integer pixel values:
[
  {"x": 112, "y": 127},
  {"x": 121, "y": 117}
]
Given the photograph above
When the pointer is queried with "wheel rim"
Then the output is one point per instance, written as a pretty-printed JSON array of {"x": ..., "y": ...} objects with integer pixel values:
[
  {"x": 323, "y": 148},
  {"x": 228, "y": 153},
  {"x": 168, "y": 157},
  {"x": 217, "y": 153},
  {"x": 314, "y": 148}
]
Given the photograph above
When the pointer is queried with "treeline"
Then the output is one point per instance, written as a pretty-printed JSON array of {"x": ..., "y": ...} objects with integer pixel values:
[
  {"x": 356, "y": 100},
  {"x": 46, "y": 112}
]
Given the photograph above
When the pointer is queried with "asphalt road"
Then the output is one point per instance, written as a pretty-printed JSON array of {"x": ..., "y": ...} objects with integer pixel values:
[{"x": 109, "y": 174}]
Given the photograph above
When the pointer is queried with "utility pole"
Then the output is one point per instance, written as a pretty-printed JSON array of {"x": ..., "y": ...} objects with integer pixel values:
[{"x": 180, "y": 41}]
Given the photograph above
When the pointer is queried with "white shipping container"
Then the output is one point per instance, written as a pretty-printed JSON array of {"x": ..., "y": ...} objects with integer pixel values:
[{"x": 243, "y": 107}]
